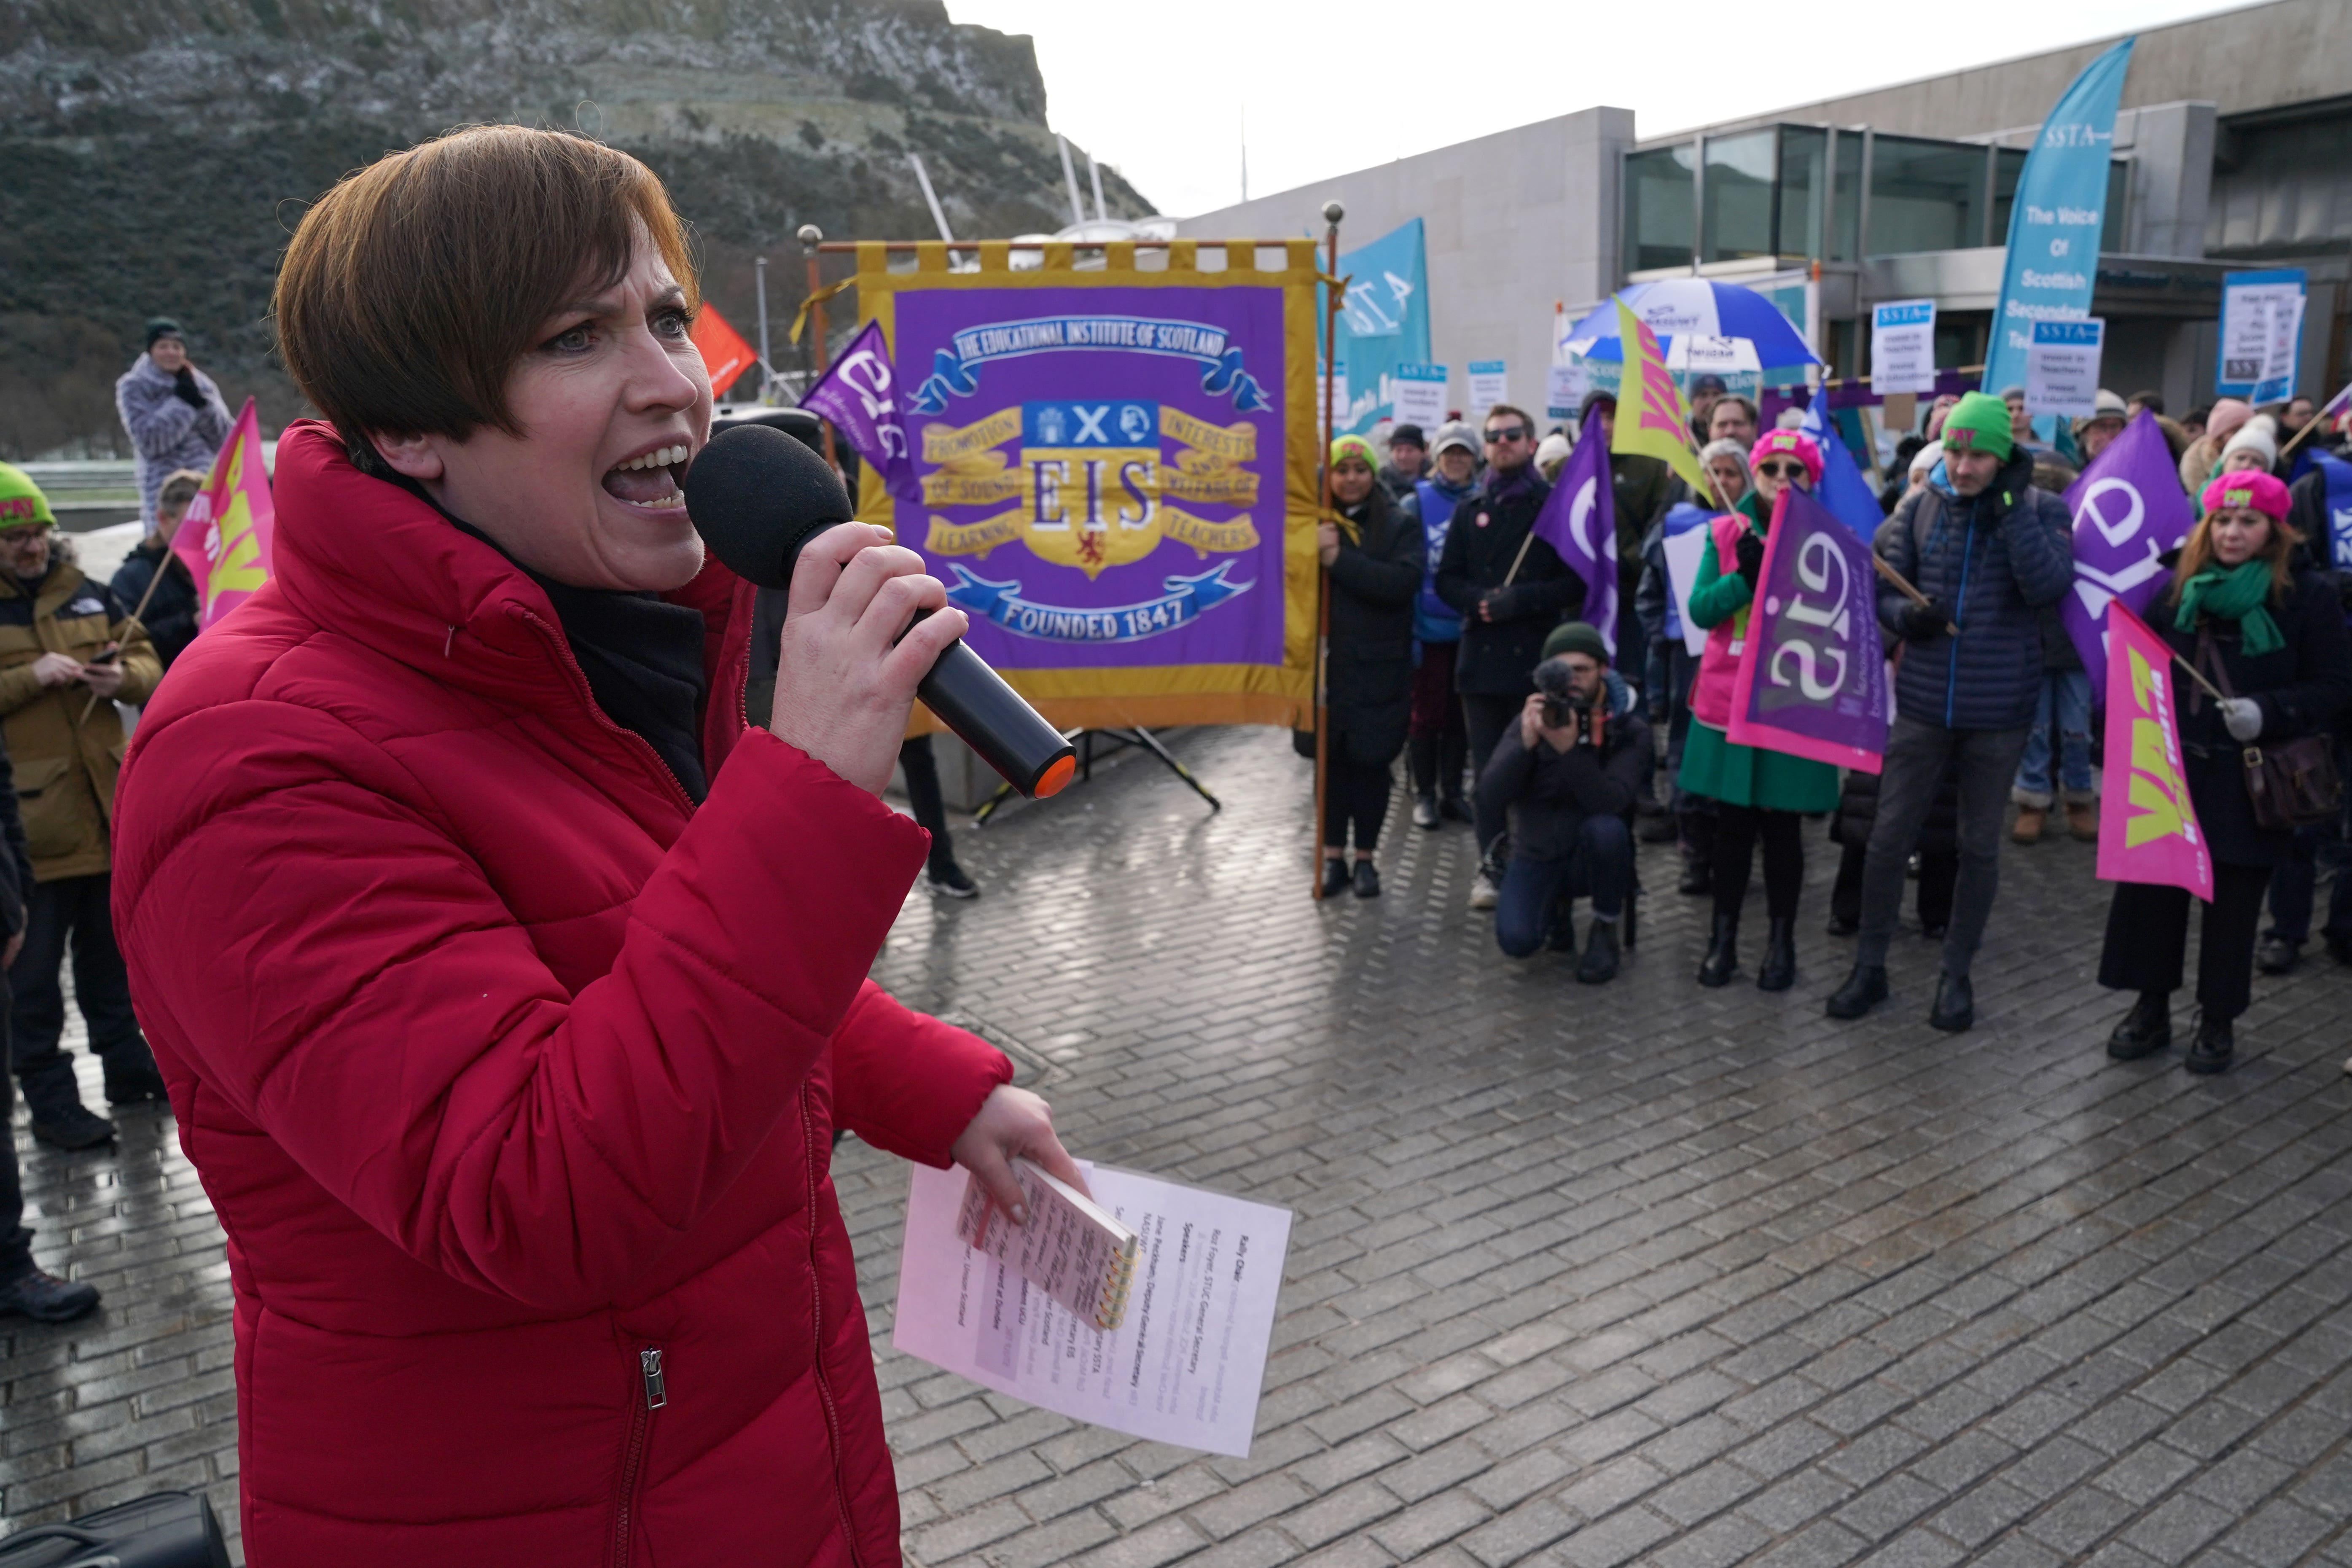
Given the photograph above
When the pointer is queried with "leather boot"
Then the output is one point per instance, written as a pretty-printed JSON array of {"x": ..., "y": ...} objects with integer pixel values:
[
  {"x": 1779, "y": 970},
  {"x": 1864, "y": 989},
  {"x": 2146, "y": 1029},
  {"x": 1722, "y": 952},
  {"x": 1336, "y": 878},
  {"x": 2027, "y": 829},
  {"x": 1955, "y": 1010},
  {"x": 2215, "y": 1043}
]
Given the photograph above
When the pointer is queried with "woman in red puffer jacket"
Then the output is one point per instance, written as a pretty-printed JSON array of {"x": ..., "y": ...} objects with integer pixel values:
[{"x": 508, "y": 989}]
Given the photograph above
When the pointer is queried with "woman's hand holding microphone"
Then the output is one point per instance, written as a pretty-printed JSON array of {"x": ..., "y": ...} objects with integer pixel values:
[{"x": 846, "y": 678}]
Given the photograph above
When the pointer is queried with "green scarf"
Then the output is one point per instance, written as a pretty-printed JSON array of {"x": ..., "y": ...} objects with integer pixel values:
[{"x": 2233, "y": 593}]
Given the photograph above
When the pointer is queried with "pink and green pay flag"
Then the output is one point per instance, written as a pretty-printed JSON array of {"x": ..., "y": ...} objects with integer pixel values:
[
  {"x": 2148, "y": 830},
  {"x": 224, "y": 539}
]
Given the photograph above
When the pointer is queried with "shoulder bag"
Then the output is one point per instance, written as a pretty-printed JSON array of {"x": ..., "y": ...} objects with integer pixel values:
[{"x": 2293, "y": 783}]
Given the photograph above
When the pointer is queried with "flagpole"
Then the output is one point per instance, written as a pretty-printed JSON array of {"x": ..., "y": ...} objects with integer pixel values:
[
  {"x": 811, "y": 237},
  {"x": 1333, "y": 213}
]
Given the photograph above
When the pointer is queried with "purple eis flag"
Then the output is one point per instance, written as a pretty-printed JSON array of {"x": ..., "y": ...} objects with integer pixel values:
[
  {"x": 859, "y": 395},
  {"x": 1813, "y": 680},
  {"x": 1579, "y": 520},
  {"x": 2127, "y": 510}
]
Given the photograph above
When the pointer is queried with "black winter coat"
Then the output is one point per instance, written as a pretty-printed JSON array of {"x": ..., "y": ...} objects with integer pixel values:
[
  {"x": 1548, "y": 794},
  {"x": 2302, "y": 687},
  {"x": 1373, "y": 584},
  {"x": 1499, "y": 657},
  {"x": 170, "y": 617}
]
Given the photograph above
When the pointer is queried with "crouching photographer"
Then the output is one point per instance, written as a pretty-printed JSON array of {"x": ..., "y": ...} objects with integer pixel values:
[{"x": 1567, "y": 773}]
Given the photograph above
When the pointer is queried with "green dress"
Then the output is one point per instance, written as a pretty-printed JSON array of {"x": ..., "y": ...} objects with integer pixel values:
[{"x": 1712, "y": 765}]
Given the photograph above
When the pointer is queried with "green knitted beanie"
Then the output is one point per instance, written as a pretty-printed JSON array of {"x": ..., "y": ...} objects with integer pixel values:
[
  {"x": 1986, "y": 418},
  {"x": 1575, "y": 636},
  {"x": 21, "y": 499}
]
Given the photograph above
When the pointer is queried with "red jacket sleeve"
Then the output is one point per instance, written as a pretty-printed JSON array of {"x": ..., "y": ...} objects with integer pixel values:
[
  {"x": 372, "y": 1005},
  {"x": 908, "y": 1083}
]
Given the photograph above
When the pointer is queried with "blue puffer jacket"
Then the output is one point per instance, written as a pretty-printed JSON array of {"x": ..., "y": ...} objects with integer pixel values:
[{"x": 1996, "y": 558}]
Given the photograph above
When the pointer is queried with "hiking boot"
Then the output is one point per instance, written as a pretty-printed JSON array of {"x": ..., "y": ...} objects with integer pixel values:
[
  {"x": 72, "y": 1126},
  {"x": 2215, "y": 1043},
  {"x": 1864, "y": 989},
  {"x": 1722, "y": 952},
  {"x": 2277, "y": 955},
  {"x": 1598, "y": 964},
  {"x": 2083, "y": 820},
  {"x": 2029, "y": 824},
  {"x": 2145, "y": 1030},
  {"x": 45, "y": 1298}
]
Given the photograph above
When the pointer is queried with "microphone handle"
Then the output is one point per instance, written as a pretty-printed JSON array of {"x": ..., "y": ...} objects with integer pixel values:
[{"x": 997, "y": 722}]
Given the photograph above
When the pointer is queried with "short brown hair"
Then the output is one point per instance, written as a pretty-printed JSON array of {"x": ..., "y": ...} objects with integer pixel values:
[
  {"x": 179, "y": 488},
  {"x": 1508, "y": 411},
  {"x": 415, "y": 285}
]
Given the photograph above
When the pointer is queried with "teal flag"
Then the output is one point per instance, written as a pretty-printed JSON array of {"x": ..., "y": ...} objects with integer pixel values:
[
  {"x": 2054, "y": 227},
  {"x": 1384, "y": 323}
]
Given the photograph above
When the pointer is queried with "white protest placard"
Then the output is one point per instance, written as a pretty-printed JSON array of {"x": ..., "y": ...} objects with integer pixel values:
[
  {"x": 2062, "y": 368},
  {"x": 1903, "y": 346},
  {"x": 1684, "y": 553},
  {"x": 1420, "y": 395},
  {"x": 1565, "y": 386},
  {"x": 1187, "y": 1362},
  {"x": 2253, "y": 308},
  {"x": 1490, "y": 382},
  {"x": 1337, "y": 392},
  {"x": 2285, "y": 344}
]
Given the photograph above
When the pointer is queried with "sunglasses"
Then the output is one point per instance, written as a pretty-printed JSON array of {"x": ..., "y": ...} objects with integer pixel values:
[
  {"x": 1780, "y": 471},
  {"x": 17, "y": 538},
  {"x": 1506, "y": 435}
]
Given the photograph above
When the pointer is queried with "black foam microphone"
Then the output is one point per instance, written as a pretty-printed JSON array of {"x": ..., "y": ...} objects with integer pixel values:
[{"x": 757, "y": 496}]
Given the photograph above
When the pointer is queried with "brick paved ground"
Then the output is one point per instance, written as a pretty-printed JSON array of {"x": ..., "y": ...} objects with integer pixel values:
[{"x": 1645, "y": 1273}]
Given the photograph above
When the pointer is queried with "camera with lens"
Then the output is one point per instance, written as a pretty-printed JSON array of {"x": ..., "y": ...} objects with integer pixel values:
[{"x": 1560, "y": 707}]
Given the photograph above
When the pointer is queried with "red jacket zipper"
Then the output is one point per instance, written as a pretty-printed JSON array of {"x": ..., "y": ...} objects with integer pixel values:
[
  {"x": 657, "y": 1394},
  {"x": 816, "y": 1321}
]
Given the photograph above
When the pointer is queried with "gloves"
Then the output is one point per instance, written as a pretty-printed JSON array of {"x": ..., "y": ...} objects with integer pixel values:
[
  {"x": 2243, "y": 718},
  {"x": 1500, "y": 602},
  {"x": 184, "y": 388},
  {"x": 1749, "y": 552},
  {"x": 1921, "y": 622}
]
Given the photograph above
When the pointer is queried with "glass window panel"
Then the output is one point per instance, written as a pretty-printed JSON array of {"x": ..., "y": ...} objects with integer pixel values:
[
  {"x": 1658, "y": 197},
  {"x": 1846, "y": 221},
  {"x": 1804, "y": 151},
  {"x": 2009, "y": 165},
  {"x": 2286, "y": 191},
  {"x": 2111, "y": 221},
  {"x": 1924, "y": 196},
  {"x": 1740, "y": 171}
]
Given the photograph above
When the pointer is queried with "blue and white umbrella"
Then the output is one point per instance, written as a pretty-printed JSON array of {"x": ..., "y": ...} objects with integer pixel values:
[{"x": 1702, "y": 325}]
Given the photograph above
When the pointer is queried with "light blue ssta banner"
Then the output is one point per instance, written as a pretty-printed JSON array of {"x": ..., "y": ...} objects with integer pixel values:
[
  {"x": 2053, "y": 228},
  {"x": 1383, "y": 322}
]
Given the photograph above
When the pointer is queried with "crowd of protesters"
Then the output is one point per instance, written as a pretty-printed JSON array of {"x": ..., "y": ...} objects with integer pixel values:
[{"x": 1571, "y": 753}]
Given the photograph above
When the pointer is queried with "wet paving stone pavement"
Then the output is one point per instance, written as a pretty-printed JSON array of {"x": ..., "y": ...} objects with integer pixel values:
[{"x": 1638, "y": 1273}]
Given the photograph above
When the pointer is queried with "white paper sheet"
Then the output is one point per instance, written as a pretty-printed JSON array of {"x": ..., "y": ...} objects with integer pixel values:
[{"x": 1186, "y": 1365}]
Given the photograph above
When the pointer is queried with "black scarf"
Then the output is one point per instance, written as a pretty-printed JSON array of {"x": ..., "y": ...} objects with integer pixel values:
[{"x": 642, "y": 656}]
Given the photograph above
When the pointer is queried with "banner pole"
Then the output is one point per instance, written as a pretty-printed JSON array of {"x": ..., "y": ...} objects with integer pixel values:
[
  {"x": 810, "y": 237},
  {"x": 1333, "y": 213}
]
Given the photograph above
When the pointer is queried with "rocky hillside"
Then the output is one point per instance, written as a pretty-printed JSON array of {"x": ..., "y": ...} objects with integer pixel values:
[{"x": 155, "y": 153}]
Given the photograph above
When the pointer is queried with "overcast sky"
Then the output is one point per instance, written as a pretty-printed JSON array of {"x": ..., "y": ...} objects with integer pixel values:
[{"x": 1162, "y": 90}]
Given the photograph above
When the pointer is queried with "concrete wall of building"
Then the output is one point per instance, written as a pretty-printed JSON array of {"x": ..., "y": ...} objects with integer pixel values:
[
  {"x": 2256, "y": 56},
  {"x": 1513, "y": 223}
]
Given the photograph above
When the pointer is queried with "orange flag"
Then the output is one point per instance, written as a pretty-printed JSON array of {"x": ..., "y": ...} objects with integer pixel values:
[{"x": 723, "y": 349}]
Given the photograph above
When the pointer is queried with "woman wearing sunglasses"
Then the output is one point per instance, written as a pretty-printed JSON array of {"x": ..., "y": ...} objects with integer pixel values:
[{"x": 1759, "y": 794}]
